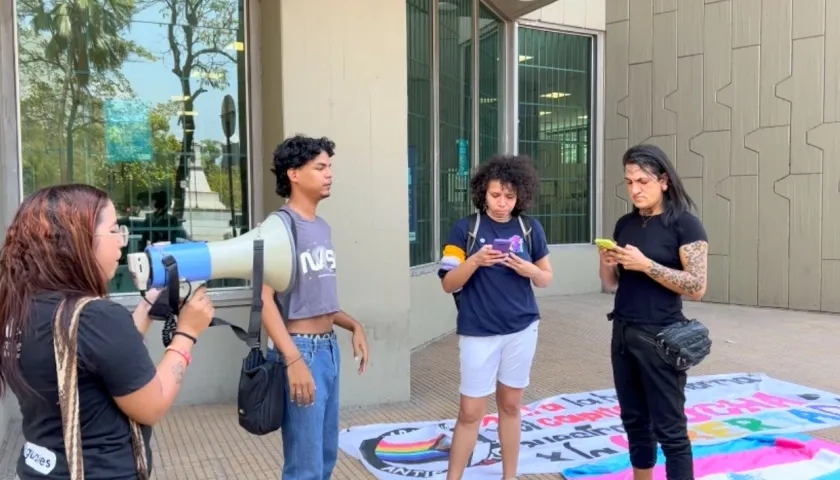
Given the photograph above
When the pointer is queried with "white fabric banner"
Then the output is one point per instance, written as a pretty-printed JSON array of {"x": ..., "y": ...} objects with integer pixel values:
[{"x": 569, "y": 430}]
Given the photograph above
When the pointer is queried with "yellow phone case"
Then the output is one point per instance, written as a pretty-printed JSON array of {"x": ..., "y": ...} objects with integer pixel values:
[{"x": 605, "y": 243}]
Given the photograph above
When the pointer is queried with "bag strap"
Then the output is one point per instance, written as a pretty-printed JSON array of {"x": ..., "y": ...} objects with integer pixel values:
[
  {"x": 525, "y": 225},
  {"x": 169, "y": 304},
  {"x": 67, "y": 372},
  {"x": 284, "y": 300},
  {"x": 472, "y": 232},
  {"x": 166, "y": 308},
  {"x": 255, "y": 320},
  {"x": 475, "y": 221}
]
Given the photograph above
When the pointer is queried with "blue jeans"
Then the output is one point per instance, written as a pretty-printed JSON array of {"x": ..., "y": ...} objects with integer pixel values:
[{"x": 308, "y": 430}]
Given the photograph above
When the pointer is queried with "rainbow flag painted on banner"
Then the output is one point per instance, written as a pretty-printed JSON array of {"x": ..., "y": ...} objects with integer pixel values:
[{"x": 759, "y": 457}]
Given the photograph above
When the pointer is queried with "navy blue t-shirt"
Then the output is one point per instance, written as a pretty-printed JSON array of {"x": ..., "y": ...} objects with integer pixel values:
[
  {"x": 495, "y": 300},
  {"x": 639, "y": 298}
]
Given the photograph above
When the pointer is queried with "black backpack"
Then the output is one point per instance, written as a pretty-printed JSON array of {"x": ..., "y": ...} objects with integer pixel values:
[{"x": 472, "y": 232}]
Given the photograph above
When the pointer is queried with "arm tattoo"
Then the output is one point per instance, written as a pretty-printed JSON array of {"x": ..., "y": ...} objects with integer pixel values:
[
  {"x": 178, "y": 371},
  {"x": 692, "y": 279}
]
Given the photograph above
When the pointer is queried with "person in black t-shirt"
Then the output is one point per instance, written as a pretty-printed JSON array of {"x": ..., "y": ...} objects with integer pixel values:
[
  {"x": 63, "y": 244},
  {"x": 662, "y": 254}
]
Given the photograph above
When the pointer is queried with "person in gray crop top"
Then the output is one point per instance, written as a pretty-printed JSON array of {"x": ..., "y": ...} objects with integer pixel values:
[{"x": 302, "y": 337}]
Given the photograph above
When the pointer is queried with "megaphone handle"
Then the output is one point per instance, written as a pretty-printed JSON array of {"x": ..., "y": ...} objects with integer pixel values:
[{"x": 174, "y": 289}]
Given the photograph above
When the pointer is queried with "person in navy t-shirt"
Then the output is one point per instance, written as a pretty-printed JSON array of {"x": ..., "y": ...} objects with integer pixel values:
[{"x": 498, "y": 314}]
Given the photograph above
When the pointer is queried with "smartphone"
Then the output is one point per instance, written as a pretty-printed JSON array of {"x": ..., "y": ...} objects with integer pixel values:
[
  {"x": 502, "y": 245},
  {"x": 605, "y": 243}
]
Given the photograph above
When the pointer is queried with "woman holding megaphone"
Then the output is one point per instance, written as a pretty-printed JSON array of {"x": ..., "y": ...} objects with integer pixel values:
[{"x": 88, "y": 389}]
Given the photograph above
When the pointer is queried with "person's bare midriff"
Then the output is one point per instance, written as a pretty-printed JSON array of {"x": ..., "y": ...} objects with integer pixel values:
[{"x": 312, "y": 325}]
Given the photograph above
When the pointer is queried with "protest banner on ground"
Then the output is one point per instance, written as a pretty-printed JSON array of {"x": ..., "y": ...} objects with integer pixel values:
[
  {"x": 793, "y": 456},
  {"x": 569, "y": 430}
]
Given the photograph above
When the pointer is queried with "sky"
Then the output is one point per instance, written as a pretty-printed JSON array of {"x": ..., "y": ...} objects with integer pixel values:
[{"x": 155, "y": 83}]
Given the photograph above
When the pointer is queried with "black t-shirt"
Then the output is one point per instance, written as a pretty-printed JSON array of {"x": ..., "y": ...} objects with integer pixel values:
[
  {"x": 639, "y": 298},
  {"x": 113, "y": 362}
]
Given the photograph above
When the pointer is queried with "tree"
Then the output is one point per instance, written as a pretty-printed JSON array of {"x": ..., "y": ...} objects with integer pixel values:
[
  {"x": 198, "y": 32},
  {"x": 82, "y": 40},
  {"x": 72, "y": 54}
]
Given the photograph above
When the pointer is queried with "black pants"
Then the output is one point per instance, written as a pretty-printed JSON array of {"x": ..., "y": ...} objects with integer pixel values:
[{"x": 651, "y": 395}]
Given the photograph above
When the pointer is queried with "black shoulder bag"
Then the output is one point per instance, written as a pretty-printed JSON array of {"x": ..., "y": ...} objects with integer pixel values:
[
  {"x": 262, "y": 384},
  {"x": 261, "y": 400}
]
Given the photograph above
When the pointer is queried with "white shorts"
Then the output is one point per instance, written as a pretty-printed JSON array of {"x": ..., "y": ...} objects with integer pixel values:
[{"x": 505, "y": 359}]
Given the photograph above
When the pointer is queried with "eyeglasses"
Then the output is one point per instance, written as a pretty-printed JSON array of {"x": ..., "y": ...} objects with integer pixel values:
[{"x": 122, "y": 232}]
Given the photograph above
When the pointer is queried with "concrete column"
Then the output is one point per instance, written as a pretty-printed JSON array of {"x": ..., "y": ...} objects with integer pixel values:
[
  {"x": 9, "y": 160},
  {"x": 338, "y": 69}
]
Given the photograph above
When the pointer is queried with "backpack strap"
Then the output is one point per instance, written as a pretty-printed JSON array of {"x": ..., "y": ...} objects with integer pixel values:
[
  {"x": 472, "y": 232},
  {"x": 525, "y": 225}
]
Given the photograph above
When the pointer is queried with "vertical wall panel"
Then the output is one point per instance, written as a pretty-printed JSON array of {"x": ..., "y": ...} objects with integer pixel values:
[{"x": 755, "y": 112}]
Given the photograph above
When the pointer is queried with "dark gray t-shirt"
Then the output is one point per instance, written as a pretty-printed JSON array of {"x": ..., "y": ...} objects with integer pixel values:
[{"x": 314, "y": 291}]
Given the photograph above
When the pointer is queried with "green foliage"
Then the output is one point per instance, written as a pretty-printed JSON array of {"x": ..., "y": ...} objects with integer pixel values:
[
  {"x": 72, "y": 54},
  {"x": 218, "y": 179}
]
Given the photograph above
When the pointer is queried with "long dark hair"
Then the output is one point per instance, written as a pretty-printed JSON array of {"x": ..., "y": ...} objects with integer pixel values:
[
  {"x": 48, "y": 248},
  {"x": 651, "y": 159}
]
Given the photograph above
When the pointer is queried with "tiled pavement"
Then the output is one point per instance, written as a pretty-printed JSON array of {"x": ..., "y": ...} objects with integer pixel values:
[{"x": 207, "y": 443}]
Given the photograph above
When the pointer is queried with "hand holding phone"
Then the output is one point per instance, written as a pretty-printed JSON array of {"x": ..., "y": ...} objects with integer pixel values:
[
  {"x": 487, "y": 256},
  {"x": 605, "y": 243},
  {"x": 607, "y": 251}
]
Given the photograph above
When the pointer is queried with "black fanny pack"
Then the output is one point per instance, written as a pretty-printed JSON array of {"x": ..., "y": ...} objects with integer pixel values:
[{"x": 683, "y": 344}]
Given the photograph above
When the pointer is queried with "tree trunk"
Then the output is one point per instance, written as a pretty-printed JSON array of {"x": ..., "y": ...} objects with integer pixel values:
[
  {"x": 184, "y": 157},
  {"x": 69, "y": 144}
]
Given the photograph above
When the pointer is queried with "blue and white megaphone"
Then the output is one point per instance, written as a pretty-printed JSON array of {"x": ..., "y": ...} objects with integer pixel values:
[{"x": 199, "y": 262}]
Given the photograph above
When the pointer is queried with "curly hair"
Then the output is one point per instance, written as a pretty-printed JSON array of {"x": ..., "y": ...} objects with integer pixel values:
[
  {"x": 514, "y": 171},
  {"x": 294, "y": 153}
]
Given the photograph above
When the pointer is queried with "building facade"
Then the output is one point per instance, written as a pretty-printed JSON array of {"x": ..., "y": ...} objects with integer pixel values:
[
  {"x": 175, "y": 107},
  {"x": 745, "y": 97}
]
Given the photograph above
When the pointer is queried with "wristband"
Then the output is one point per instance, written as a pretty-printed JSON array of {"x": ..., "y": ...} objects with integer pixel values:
[
  {"x": 186, "y": 335},
  {"x": 293, "y": 361},
  {"x": 183, "y": 353}
]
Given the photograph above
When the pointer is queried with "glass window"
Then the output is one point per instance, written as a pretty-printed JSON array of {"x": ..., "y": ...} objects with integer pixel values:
[
  {"x": 555, "y": 91},
  {"x": 455, "y": 34},
  {"x": 127, "y": 96},
  {"x": 491, "y": 76},
  {"x": 421, "y": 229}
]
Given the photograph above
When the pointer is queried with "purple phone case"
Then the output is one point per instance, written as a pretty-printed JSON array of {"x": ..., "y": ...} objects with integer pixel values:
[{"x": 501, "y": 244}]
